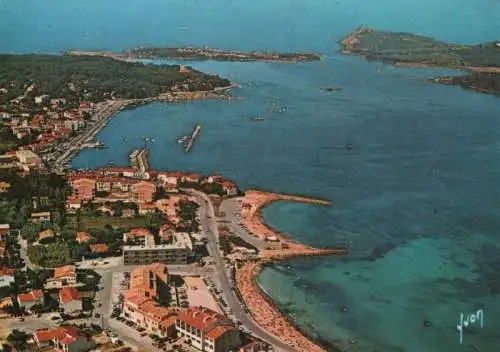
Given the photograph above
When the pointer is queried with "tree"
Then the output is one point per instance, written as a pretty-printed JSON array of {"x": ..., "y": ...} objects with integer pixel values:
[{"x": 18, "y": 339}]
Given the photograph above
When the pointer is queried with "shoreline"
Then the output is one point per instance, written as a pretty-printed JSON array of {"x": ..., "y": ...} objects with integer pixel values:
[
  {"x": 117, "y": 106},
  {"x": 260, "y": 305},
  {"x": 350, "y": 46},
  {"x": 327, "y": 345},
  {"x": 200, "y": 54}
]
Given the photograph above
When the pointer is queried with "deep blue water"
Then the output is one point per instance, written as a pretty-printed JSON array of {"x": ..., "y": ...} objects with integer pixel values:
[{"x": 416, "y": 199}]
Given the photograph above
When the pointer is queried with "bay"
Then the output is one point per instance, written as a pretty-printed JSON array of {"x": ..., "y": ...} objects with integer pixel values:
[{"x": 415, "y": 199}]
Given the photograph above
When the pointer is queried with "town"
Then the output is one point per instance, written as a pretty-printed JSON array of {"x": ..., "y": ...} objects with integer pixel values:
[{"x": 128, "y": 258}]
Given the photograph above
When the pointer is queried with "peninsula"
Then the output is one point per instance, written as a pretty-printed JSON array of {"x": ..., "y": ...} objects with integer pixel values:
[
  {"x": 55, "y": 105},
  {"x": 193, "y": 53},
  {"x": 411, "y": 50},
  {"x": 201, "y": 54}
]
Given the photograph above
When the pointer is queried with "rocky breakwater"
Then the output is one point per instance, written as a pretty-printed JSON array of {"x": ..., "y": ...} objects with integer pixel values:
[{"x": 262, "y": 308}]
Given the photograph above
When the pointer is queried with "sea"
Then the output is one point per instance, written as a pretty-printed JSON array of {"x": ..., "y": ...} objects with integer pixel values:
[{"x": 412, "y": 167}]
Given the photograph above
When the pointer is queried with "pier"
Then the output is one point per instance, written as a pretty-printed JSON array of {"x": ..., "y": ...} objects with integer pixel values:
[
  {"x": 139, "y": 160},
  {"x": 192, "y": 139}
]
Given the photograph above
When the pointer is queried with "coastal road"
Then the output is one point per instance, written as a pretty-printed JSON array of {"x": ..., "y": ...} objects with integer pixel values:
[
  {"x": 207, "y": 219},
  {"x": 103, "y": 112}
]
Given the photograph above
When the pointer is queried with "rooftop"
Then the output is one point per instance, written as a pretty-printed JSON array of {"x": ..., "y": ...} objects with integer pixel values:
[
  {"x": 30, "y": 296},
  {"x": 63, "y": 271},
  {"x": 69, "y": 294}
]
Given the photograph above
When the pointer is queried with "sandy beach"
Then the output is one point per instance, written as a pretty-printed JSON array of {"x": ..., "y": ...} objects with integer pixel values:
[{"x": 263, "y": 310}]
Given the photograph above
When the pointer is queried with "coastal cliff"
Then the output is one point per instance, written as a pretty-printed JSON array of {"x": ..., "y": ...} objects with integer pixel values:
[{"x": 411, "y": 50}]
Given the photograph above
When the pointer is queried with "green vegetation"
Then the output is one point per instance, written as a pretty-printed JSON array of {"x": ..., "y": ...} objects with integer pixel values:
[
  {"x": 33, "y": 192},
  {"x": 228, "y": 242},
  {"x": 400, "y": 47},
  {"x": 51, "y": 255},
  {"x": 218, "y": 55},
  {"x": 18, "y": 339},
  {"x": 187, "y": 211},
  {"x": 94, "y": 78},
  {"x": 410, "y": 49},
  {"x": 481, "y": 81},
  {"x": 99, "y": 222}
]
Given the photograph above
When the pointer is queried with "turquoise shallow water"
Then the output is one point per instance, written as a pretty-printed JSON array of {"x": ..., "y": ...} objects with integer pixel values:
[{"x": 415, "y": 199}]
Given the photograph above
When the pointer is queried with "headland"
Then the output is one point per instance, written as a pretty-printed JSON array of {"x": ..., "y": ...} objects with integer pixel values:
[{"x": 410, "y": 50}]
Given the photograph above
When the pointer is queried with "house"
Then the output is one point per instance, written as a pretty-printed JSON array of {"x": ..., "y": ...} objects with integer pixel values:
[
  {"x": 73, "y": 203},
  {"x": 70, "y": 300},
  {"x": 3, "y": 249},
  {"x": 99, "y": 248},
  {"x": 143, "y": 192},
  {"x": 146, "y": 208},
  {"x": 84, "y": 188},
  {"x": 168, "y": 179},
  {"x": 27, "y": 157},
  {"x": 46, "y": 234},
  {"x": 40, "y": 217},
  {"x": 30, "y": 299},
  {"x": 4, "y": 187},
  {"x": 63, "y": 276},
  {"x": 82, "y": 237},
  {"x": 229, "y": 188},
  {"x": 7, "y": 276},
  {"x": 4, "y": 230},
  {"x": 192, "y": 178},
  {"x": 42, "y": 99},
  {"x": 137, "y": 235},
  {"x": 207, "y": 330},
  {"x": 63, "y": 339}
]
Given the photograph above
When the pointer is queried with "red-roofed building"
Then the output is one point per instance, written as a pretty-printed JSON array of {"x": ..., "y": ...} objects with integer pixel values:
[
  {"x": 207, "y": 330},
  {"x": 82, "y": 237},
  {"x": 84, "y": 188},
  {"x": 137, "y": 235},
  {"x": 192, "y": 178},
  {"x": 73, "y": 203},
  {"x": 70, "y": 300},
  {"x": 230, "y": 188},
  {"x": 63, "y": 276},
  {"x": 4, "y": 230},
  {"x": 140, "y": 305},
  {"x": 7, "y": 276},
  {"x": 63, "y": 339},
  {"x": 99, "y": 248},
  {"x": 143, "y": 192},
  {"x": 28, "y": 300}
]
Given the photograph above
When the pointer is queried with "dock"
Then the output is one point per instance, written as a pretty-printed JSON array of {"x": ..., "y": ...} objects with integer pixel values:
[
  {"x": 192, "y": 139},
  {"x": 139, "y": 160}
]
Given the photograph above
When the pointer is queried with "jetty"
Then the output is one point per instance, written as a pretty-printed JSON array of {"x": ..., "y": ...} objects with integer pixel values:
[
  {"x": 192, "y": 139},
  {"x": 139, "y": 160}
]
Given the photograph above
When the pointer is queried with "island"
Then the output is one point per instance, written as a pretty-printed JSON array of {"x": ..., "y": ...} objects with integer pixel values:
[
  {"x": 201, "y": 54},
  {"x": 411, "y": 50}
]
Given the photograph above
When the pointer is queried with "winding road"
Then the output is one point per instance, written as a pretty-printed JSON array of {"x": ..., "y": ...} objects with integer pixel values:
[{"x": 207, "y": 220}]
